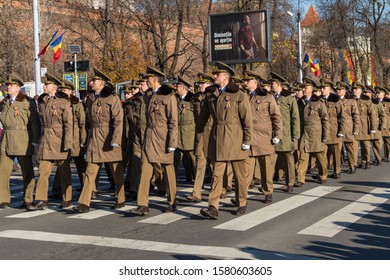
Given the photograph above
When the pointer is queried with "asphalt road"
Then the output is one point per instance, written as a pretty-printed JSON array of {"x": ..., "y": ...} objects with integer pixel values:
[{"x": 347, "y": 218}]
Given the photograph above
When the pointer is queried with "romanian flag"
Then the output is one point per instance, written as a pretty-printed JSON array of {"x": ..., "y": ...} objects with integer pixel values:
[
  {"x": 42, "y": 52},
  {"x": 56, "y": 45},
  {"x": 314, "y": 65}
]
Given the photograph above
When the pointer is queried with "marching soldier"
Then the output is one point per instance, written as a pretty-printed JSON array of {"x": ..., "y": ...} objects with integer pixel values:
[
  {"x": 230, "y": 137},
  {"x": 386, "y": 131},
  {"x": 55, "y": 143},
  {"x": 186, "y": 129},
  {"x": 204, "y": 80},
  {"x": 337, "y": 125},
  {"x": 267, "y": 131},
  {"x": 291, "y": 128},
  {"x": 105, "y": 116},
  {"x": 21, "y": 131},
  {"x": 352, "y": 125},
  {"x": 160, "y": 141},
  {"x": 314, "y": 132},
  {"x": 376, "y": 138},
  {"x": 368, "y": 123}
]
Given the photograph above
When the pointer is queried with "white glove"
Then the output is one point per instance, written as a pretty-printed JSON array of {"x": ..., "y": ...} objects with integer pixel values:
[
  {"x": 245, "y": 147},
  {"x": 355, "y": 133},
  {"x": 340, "y": 135},
  {"x": 82, "y": 146},
  {"x": 324, "y": 141},
  {"x": 275, "y": 140},
  {"x": 372, "y": 131},
  {"x": 34, "y": 144},
  {"x": 115, "y": 145},
  {"x": 65, "y": 149},
  {"x": 170, "y": 150}
]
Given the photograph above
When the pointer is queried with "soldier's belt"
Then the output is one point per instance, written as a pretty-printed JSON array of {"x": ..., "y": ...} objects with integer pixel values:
[
  {"x": 228, "y": 122},
  {"x": 16, "y": 127},
  {"x": 53, "y": 125},
  {"x": 99, "y": 125}
]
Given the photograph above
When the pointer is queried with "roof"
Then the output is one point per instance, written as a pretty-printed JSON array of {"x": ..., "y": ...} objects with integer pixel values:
[{"x": 311, "y": 17}]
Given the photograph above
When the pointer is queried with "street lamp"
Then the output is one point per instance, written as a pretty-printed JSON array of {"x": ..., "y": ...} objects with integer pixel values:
[
  {"x": 300, "y": 76},
  {"x": 74, "y": 50}
]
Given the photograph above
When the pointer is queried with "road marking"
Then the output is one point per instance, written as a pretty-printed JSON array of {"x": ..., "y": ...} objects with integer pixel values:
[
  {"x": 269, "y": 212},
  {"x": 31, "y": 214},
  {"x": 338, "y": 221},
  {"x": 153, "y": 246}
]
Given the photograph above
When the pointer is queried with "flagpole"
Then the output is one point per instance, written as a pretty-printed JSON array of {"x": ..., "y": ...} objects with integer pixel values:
[
  {"x": 299, "y": 44},
  {"x": 37, "y": 61}
]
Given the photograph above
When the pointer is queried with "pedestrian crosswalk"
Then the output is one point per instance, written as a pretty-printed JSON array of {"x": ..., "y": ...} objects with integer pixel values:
[{"x": 326, "y": 226}]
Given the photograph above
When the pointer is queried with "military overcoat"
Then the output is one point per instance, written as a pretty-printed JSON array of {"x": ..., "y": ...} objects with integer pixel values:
[
  {"x": 161, "y": 126},
  {"x": 232, "y": 124},
  {"x": 314, "y": 125},
  {"x": 57, "y": 119},
  {"x": 105, "y": 117},
  {"x": 79, "y": 131},
  {"x": 352, "y": 118},
  {"x": 386, "y": 109},
  {"x": 186, "y": 122},
  {"x": 21, "y": 126},
  {"x": 336, "y": 119},
  {"x": 368, "y": 118}
]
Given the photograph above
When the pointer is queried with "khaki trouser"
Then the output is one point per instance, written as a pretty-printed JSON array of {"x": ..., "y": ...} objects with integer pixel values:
[
  {"x": 365, "y": 151},
  {"x": 377, "y": 148},
  {"x": 241, "y": 170},
  {"x": 168, "y": 172},
  {"x": 188, "y": 159},
  {"x": 45, "y": 168},
  {"x": 91, "y": 173},
  {"x": 80, "y": 167},
  {"x": 304, "y": 161},
  {"x": 352, "y": 153},
  {"x": 267, "y": 166},
  {"x": 386, "y": 144},
  {"x": 334, "y": 151},
  {"x": 135, "y": 169},
  {"x": 285, "y": 161},
  {"x": 201, "y": 163},
  {"x": 6, "y": 164}
]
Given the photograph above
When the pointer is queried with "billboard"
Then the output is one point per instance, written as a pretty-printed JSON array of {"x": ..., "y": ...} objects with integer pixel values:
[{"x": 241, "y": 37}]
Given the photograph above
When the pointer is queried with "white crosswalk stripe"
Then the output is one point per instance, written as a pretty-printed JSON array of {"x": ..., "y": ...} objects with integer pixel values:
[
  {"x": 338, "y": 221},
  {"x": 269, "y": 212}
]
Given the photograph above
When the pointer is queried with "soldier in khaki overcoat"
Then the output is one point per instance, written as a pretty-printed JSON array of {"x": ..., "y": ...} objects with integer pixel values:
[
  {"x": 337, "y": 124},
  {"x": 314, "y": 132},
  {"x": 291, "y": 129},
  {"x": 384, "y": 96},
  {"x": 160, "y": 141},
  {"x": 352, "y": 125},
  {"x": 368, "y": 123},
  {"x": 55, "y": 143},
  {"x": 21, "y": 131},
  {"x": 230, "y": 137},
  {"x": 186, "y": 129},
  {"x": 376, "y": 138},
  {"x": 204, "y": 80},
  {"x": 105, "y": 116},
  {"x": 267, "y": 131}
]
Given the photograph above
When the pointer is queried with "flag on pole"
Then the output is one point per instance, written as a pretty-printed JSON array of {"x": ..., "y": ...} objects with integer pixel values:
[
  {"x": 56, "y": 45},
  {"x": 314, "y": 65},
  {"x": 43, "y": 50}
]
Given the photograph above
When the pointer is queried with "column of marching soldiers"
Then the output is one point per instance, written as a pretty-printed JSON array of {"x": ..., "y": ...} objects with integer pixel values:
[{"x": 257, "y": 130}]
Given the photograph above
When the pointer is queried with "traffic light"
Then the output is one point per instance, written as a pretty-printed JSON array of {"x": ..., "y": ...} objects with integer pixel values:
[{"x": 81, "y": 66}]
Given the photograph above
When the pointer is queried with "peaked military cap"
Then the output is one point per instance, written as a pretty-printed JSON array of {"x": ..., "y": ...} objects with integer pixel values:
[
  {"x": 205, "y": 78},
  {"x": 341, "y": 85},
  {"x": 224, "y": 68},
  {"x": 264, "y": 83},
  {"x": 142, "y": 77},
  {"x": 134, "y": 84},
  {"x": 357, "y": 85},
  {"x": 67, "y": 84},
  {"x": 309, "y": 82},
  {"x": 153, "y": 72},
  {"x": 14, "y": 79},
  {"x": 51, "y": 79},
  {"x": 381, "y": 89},
  {"x": 251, "y": 75},
  {"x": 368, "y": 89},
  {"x": 326, "y": 83},
  {"x": 127, "y": 89},
  {"x": 237, "y": 80},
  {"x": 277, "y": 78},
  {"x": 182, "y": 81},
  {"x": 110, "y": 85},
  {"x": 100, "y": 75}
]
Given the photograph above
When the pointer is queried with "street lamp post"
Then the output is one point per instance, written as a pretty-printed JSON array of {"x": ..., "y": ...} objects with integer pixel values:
[
  {"x": 299, "y": 43},
  {"x": 74, "y": 50},
  {"x": 37, "y": 62}
]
